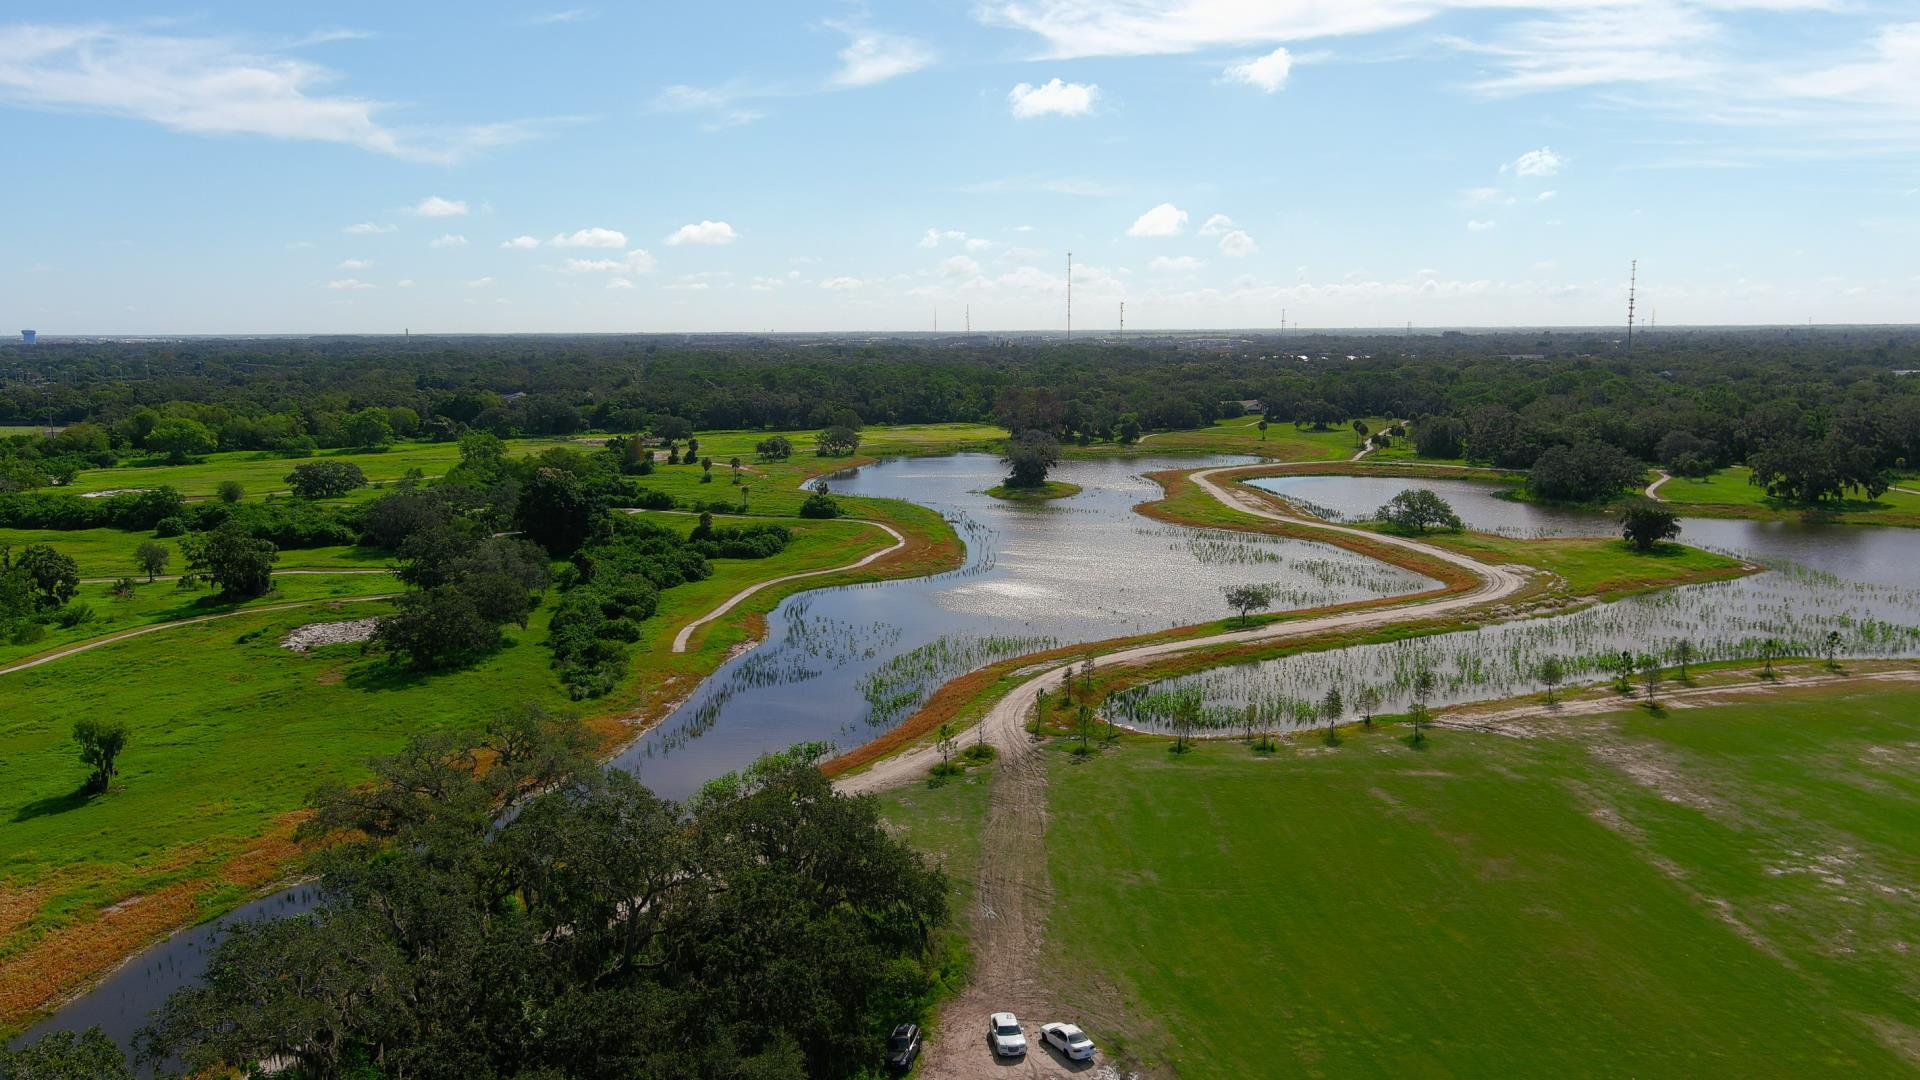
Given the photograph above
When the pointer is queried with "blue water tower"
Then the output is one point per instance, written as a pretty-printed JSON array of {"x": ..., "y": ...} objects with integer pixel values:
[{"x": 28, "y": 337}]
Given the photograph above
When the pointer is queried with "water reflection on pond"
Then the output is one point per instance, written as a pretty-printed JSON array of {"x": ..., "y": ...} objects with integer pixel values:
[{"x": 843, "y": 664}]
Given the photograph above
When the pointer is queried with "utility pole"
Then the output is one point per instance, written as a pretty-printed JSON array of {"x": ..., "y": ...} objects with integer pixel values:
[{"x": 1633, "y": 281}]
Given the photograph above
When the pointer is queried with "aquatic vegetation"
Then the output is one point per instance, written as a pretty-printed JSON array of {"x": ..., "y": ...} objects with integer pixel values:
[{"x": 901, "y": 684}]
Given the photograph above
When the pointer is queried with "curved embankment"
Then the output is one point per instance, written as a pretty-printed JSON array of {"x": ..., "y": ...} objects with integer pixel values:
[
  {"x": 71, "y": 650},
  {"x": 686, "y": 632},
  {"x": 1003, "y": 726}
]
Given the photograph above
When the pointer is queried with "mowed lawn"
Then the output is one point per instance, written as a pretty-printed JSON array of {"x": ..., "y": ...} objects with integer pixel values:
[
  {"x": 1730, "y": 487},
  {"x": 1722, "y": 891},
  {"x": 103, "y": 554}
]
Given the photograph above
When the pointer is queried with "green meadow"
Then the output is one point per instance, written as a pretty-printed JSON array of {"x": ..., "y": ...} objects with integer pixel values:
[{"x": 1716, "y": 891}]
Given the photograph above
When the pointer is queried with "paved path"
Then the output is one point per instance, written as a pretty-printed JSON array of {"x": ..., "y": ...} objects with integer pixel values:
[
  {"x": 1014, "y": 891},
  {"x": 157, "y": 627},
  {"x": 686, "y": 632}
]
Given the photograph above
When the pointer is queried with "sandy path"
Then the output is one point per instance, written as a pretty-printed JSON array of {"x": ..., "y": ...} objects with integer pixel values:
[
  {"x": 1013, "y": 891},
  {"x": 1653, "y": 489},
  {"x": 157, "y": 627},
  {"x": 686, "y": 632}
]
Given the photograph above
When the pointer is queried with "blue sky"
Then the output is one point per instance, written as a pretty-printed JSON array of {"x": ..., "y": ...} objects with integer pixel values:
[{"x": 361, "y": 167}]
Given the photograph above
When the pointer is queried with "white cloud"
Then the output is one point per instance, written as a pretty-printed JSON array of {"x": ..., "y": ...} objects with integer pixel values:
[
  {"x": 933, "y": 237},
  {"x": 355, "y": 264},
  {"x": 480, "y": 283},
  {"x": 1075, "y": 28},
  {"x": 214, "y": 85},
  {"x": 1237, "y": 245},
  {"x": 403, "y": 283},
  {"x": 1480, "y": 194},
  {"x": 872, "y": 57},
  {"x": 960, "y": 266},
  {"x": 1052, "y": 98},
  {"x": 349, "y": 285},
  {"x": 619, "y": 283},
  {"x": 842, "y": 284},
  {"x": 1181, "y": 264},
  {"x": 520, "y": 243},
  {"x": 556, "y": 18},
  {"x": 1217, "y": 225},
  {"x": 368, "y": 228},
  {"x": 1163, "y": 220},
  {"x": 637, "y": 261},
  {"x": 718, "y": 103},
  {"x": 450, "y": 240},
  {"x": 1544, "y": 196},
  {"x": 1478, "y": 225},
  {"x": 435, "y": 206},
  {"x": 1268, "y": 73},
  {"x": 706, "y": 232},
  {"x": 1541, "y": 162},
  {"x": 595, "y": 237}
]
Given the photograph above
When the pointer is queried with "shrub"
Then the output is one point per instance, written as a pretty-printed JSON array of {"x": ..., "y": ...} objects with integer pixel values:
[
  {"x": 73, "y": 615},
  {"x": 231, "y": 491},
  {"x": 820, "y": 505}
]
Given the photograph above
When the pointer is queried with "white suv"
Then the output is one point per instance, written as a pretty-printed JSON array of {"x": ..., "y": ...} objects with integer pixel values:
[{"x": 1003, "y": 1032}]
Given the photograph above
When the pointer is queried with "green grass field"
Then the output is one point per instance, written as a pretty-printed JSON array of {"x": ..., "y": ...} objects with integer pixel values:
[
  {"x": 261, "y": 472},
  {"x": 231, "y": 733},
  {"x": 1729, "y": 487},
  {"x": 1241, "y": 435},
  {"x": 1718, "y": 891},
  {"x": 108, "y": 553}
]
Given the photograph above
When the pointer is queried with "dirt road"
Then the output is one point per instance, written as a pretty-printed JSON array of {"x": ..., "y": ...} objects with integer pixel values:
[
  {"x": 686, "y": 632},
  {"x": 1013, "y": 891}
]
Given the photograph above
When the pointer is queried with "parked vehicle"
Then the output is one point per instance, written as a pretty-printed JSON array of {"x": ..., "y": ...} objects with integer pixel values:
[
  {"x": 1003, "y": 1033},
  {"x": 1069, "y": 1040},
  {"x": 902, "y": 1047}
]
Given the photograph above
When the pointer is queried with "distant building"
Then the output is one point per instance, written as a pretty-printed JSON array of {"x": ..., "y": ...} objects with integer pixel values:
[{"x": 28, "y": 337}]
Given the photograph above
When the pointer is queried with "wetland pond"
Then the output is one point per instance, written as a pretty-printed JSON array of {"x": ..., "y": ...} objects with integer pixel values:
[
  {"x": 1859, "y": 582},
  {"x": 842, "y": 665}
]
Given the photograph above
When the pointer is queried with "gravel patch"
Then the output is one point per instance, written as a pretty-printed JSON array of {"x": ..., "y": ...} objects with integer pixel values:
[{"x": 316, "y": 635}]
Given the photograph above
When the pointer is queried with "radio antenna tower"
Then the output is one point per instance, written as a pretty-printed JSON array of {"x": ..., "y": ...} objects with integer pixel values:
[
  {"x": 1633, "y": 281},
  {"x": 969, "y": 320},
  {"x": 1069, "y": 296},
  {"x": 1123, "y": 318}
]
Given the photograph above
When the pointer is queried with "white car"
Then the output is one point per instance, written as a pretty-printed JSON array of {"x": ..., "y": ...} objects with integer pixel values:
[
  {"x": 1069, "y": 1040},
  {"x": 1003, "y": 1032}
]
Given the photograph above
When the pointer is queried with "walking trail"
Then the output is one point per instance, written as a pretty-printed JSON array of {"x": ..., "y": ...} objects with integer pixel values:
[
  {"x": 686, "y": 632},
  {"x": 155, "y": 628},
  {"x": 1653, "y": 489},
  {"x": 1013, "y": 891}
]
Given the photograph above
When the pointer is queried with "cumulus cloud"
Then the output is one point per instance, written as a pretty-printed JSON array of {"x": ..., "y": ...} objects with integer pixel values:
[
  {"x": 933, "y": 237},
  {"x": 706, "y": 232},
  {"x": 480, "y": 283},
  {"x": 1052, "y": 98},
  {"x": 520, "y": 243},
  {"x": 349, "y": 284},
  {"x": 450, "y": 240},
  {"x": 435, "y": 206},
  {"x": 1237, "y": 245},
  {"x": 1181, "y": 264},
  {"x": 620, "y": 283},
  {"x": 1267, "y": 73},
  {"x": 960, "y": 266},
  {"x": 355, "y": 264},
  {"x": 1478, "y": 225},
  {"x": 872, "y": 57},
  {"x": 1541, "y": 162},
  {"x": 368, "y": 228},
  {"x": 595, "y": 237},
  {"x": 403, "y": 283},
  {"x": 842, "y": 284},
  {"x": 1163, "y": 220},
  {"x": 1217, "y": 225}
]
